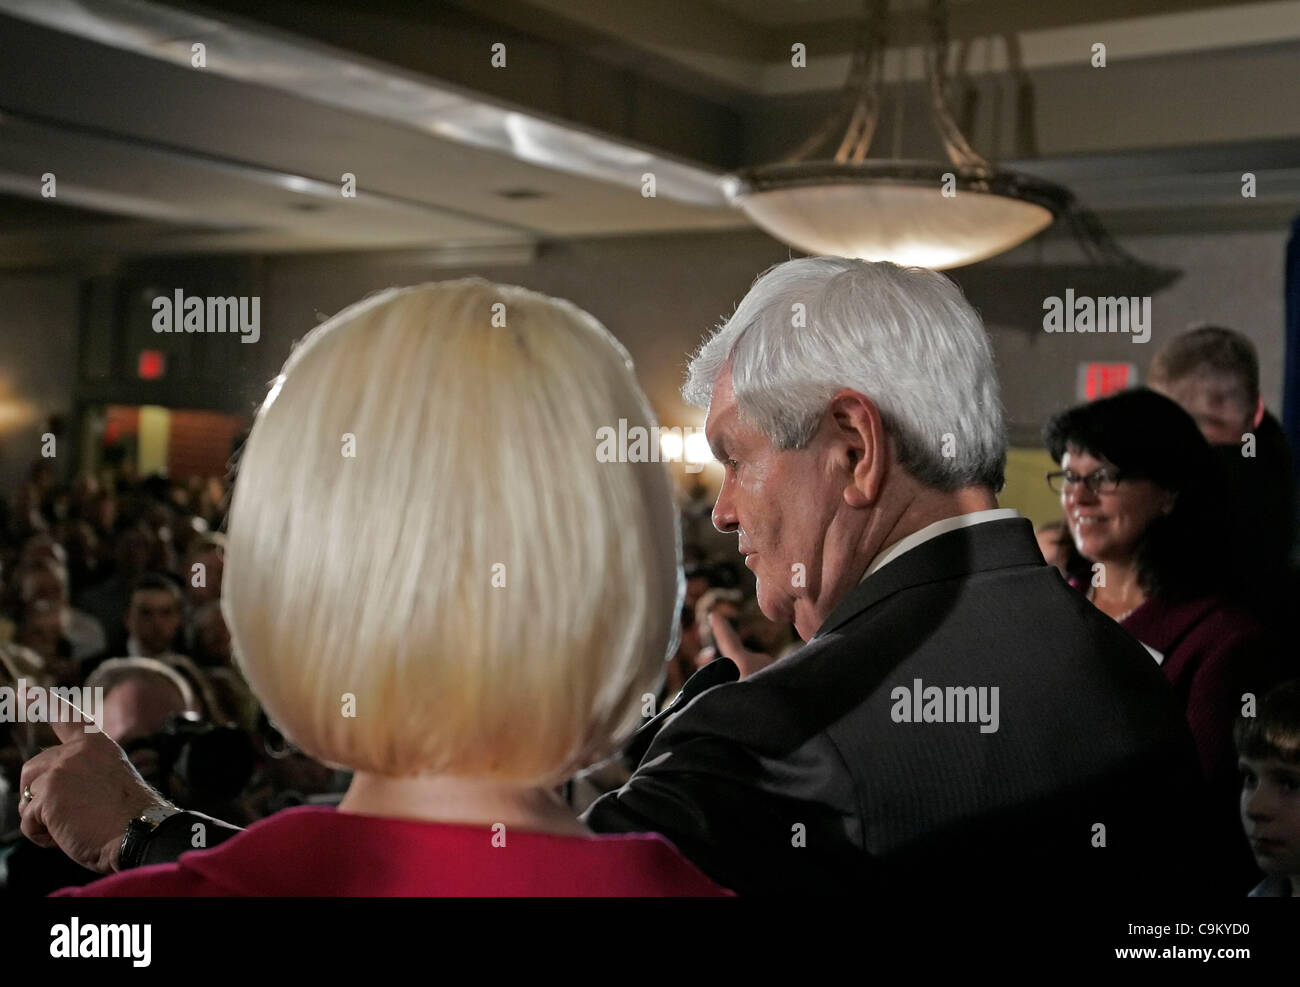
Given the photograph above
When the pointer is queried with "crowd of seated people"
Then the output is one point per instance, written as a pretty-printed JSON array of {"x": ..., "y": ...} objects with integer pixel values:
[{"x": 114, "y": 582}]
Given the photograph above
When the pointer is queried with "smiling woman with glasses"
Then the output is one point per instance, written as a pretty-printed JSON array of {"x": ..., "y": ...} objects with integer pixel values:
[{"x": 1144, "y": 501}]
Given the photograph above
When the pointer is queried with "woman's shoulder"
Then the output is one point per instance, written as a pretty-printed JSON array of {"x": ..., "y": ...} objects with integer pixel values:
[
  {"x": 1222, "y": 619},
  {"x": 1207, "y": 636},
  {"x": 320, "y": 851},
  {"x": 1209, "y": 615}
]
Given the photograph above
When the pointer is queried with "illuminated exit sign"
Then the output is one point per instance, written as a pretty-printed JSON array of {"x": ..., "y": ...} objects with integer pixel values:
[
  {"x": 1096, "y": 380},
  {"x": 152, "y": 365}
]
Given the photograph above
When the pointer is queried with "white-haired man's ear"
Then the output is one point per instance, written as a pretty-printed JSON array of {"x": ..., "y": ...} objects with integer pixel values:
[{"x": 860, "y": 424}]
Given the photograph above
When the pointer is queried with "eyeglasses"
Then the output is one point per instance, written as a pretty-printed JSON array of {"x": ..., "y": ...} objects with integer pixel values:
[{"x": 1098, "y": 481}]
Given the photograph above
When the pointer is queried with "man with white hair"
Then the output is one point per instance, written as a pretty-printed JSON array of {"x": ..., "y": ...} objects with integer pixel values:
[{"x": 958, "y": 714}]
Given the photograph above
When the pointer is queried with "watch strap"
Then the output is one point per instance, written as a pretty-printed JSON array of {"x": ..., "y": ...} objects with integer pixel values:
[{"x": 138, "y": 831}]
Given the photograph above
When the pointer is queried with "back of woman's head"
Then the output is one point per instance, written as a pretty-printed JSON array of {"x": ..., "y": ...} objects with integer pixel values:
[
  {"x": 1148, "y": 436},
  {"x": 428, "y": 569}
]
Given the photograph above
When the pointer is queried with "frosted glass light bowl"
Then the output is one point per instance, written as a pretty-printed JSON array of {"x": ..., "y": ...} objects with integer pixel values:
[{"x": 896, "y": 210}]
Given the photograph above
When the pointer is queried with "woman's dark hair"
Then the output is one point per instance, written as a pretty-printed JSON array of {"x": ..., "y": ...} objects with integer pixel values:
[{"x": 1147, "y": 436}]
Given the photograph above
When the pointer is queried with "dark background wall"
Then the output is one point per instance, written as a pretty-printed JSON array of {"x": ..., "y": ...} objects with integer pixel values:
[
  {"x": 38, "y": 351},
  {"x": 658, "y": 294}
]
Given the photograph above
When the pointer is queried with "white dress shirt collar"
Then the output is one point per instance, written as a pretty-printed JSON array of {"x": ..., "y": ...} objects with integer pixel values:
[{"x": 934, "y": 531}]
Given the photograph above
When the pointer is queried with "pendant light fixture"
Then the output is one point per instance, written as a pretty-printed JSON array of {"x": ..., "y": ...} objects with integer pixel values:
[{"x": 936, "y": 214}]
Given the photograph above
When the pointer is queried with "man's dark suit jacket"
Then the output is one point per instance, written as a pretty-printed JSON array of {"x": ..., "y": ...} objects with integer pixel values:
[{"x": 800, "y": 779}]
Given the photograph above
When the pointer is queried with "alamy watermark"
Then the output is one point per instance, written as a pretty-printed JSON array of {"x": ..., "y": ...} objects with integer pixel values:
[
  {"x": 51, "y": 704},
  {"x": 953, "y": 704},
  {"x": 1088, "y": 314},
  {"x": 178, "y": 312},
  {"x": 656, "y": 444},
  {"x": 74, "y": 941}
]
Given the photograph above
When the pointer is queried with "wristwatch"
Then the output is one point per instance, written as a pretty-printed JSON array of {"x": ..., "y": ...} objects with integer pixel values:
[{"x": 138, "y": 831}]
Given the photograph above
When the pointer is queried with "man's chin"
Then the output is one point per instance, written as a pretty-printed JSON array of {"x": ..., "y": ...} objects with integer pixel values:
[{"x": 780, "y": 611}]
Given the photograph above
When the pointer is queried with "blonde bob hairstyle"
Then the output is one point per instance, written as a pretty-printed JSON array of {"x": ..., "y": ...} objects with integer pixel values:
[{"x": 428, "y": 570}]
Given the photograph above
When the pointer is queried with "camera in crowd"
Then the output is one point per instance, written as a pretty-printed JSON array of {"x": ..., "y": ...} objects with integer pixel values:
[{"x": 196, "y": 762}]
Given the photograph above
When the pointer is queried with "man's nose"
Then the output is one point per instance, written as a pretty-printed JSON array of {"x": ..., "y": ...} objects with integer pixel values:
[{"x": 724, "y": 514}]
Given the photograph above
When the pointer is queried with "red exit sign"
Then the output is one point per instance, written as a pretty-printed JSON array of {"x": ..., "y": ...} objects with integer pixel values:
[
  {"x": 1096, "y": 380},
  {"x": 152, "y": 364}
]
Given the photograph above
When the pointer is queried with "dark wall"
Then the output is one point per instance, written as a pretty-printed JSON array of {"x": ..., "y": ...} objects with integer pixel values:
[
  {"x": 658, "y": 294},
  {"x": 38, "y": 349}
]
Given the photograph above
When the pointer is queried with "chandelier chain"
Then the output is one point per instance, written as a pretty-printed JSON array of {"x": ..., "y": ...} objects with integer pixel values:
[{"x": 856, "y": 116}]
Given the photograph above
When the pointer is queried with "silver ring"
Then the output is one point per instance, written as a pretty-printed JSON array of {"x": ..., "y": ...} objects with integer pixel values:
[{"x": 27, "y": 793}]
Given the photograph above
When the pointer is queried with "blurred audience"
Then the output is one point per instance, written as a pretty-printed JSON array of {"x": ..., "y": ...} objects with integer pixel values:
[
  {"x": 45, "y": 580},
  {"x": 176, "y": 679},
  {"x": 211, "y": 638},
  {"x": 40, "y": 629},
  {"x": 18, "y": 740},
  {"x": 135, "y": 551}
]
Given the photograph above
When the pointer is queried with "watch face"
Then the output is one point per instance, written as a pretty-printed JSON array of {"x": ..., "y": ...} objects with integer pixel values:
[{"x": 155, "y": 814}]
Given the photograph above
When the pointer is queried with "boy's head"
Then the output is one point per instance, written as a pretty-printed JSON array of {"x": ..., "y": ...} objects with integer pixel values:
[{"x": 1268, "y": 751}]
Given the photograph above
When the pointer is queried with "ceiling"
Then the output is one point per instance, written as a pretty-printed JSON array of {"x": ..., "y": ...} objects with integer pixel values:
[{"x": 451, "y": 155}]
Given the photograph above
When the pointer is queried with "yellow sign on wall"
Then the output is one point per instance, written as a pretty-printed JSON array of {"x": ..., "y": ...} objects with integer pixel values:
[
  {"x": 155, "y": 425},
  {"x": 1026, "y": 488}
]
